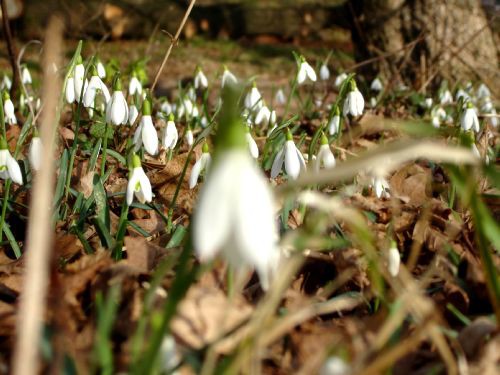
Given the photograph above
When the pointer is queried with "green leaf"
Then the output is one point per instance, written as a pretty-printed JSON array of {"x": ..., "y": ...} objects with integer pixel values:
[
  {"x": 94, "y": 155},
  {"x": 101, "y": 201},
  {"x": 177, "y": 237},
  {"x": 12, "y": 240}
]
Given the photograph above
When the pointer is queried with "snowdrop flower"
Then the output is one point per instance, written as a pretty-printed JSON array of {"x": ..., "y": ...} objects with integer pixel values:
[
  {"x": 280, "y": 97},
  {"x": 381, "y": 186},
  {"x": 8, "y": 109},
  {"x": 428, "y": 102},
  {"x": 334, "y": 123},
  {"x": 469, "y": 119},
  {"x": 101, "y": 70},
  {"x": 462, "y": 94},
  {"x": 9, "y": 168},
  {"x": 487, "y": 105},
  {"x": 236, "y": 218},
  {"x": 200, "y": 80},
  {"x": 263, "y": 117},
  {"x": 188, "y": 137},
  {"x": 134, "y": 86},
  {"x": 133, "y": 112},
  {"x": 253, "y": 100},
  {"x": 26, "y": 76},
  {"x": 305, "y": 71},
  {"x": 117, "y": 108},
  {"x": 252, "y": 145},
  {"x": 340, "y": 79},
  {"x": 79, "y": 81},
  {"x": 324, "y": 72},
  {"x": 393, "y": 260},
  {"x": 6, "y": 83},
  {"x": 291, "y": 157},
  {"x": 202, "y": 164},
  {"x": 138, "y": 183},
  {"x": 228, "y": 78},
  {"x": 69, "y": 90},
  {"x": 95, "y": 85},
  {"x": 204, "y": 122},
  {"x": 373, "y": 102},
  {"x": 376, "y": 84},
  {"x": 483, "y": 91},
  {"x": 145, "y": 133},
  {"x": 166, "y": 107},
  {"x": 325, "y": 156},
  {"x": 335, "y": 366},
  {"x": 191, "y": 94},
  {"x": 170, "y": 134},
  {"x": 35, "y": 151},
  {"x": 436, "y": 122},
  {"x": 445, "y": 97},
  {"x": 354, "y": 102}
]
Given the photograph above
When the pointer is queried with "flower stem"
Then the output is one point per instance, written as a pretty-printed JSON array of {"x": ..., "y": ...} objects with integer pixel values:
[
  {"x": 6, "y": 195},
  {"x": 104, "y": 149},
  {"x": 120, "y": 233},
  {"x": 289, "y": 99}
]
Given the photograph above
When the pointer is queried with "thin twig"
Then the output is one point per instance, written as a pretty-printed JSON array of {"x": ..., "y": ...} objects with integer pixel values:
[
  {"x": 172, "y": 43},
  {"x": 40, "y": 232},
  {"x": 11, "y": 47}
]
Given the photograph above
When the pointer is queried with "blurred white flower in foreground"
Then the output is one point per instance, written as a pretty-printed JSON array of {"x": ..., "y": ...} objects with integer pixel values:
[
  {"x": 325, "y": 156},
  {"x": 235, "y": 211},
  {"x": 291, "y": 157},
  {"x": 35, "y": 152},
  {"x": 354, "y": 102},
  {"x": 9, "y": 168},
  {"x": 469, "y": 119},
  {"x": 117, "y": 108},
  {"x": 202, "y": 164},
  {"x": 393, "y": 260},
  {"x": 138, "y": 183},
  {"x": 305, "y": 71}
]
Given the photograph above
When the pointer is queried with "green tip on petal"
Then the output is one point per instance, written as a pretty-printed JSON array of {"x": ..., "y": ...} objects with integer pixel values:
[
  {"x": 324, "y": 140},
  {"x": 35, "y": 132},
  {"x": 353, "y": 85},
  {"x": 117, "y": 82},
  {"x": 288, "y": 134},
  {"x": 470, "y": 105},
  {"x": 3, "y": 144},
  {"x": 6, "y": 95},
  {"x": 93, "y": 70},
  {"x": 79, "y": 60},
  {"x": 393, "y": 244},
  {"x": 336, "y": 111},
  {"x": 146, "y": 108},
  {"x": 204, "y": 148},
  {"x": 171, "y": 117},
  {"x": 136, "y": 161}
]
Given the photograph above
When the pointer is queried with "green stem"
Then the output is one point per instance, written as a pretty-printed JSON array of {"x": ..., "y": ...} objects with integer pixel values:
[
  {"x": 2, "y": 119},
  {"x": 104, "y": 149},
  {"x": 289, "y": 99},
  {"x": 120, "y": 234},
  {"x": 4, "y": 206}
]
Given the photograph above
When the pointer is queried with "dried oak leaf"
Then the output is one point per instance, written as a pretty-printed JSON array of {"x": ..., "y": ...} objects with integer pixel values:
[
  {"x": 413, "y": 181},
  {"x": 141, "y": 254}
]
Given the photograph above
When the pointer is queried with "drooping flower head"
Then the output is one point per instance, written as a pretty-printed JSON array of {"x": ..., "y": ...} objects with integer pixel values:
[
  {"x": 325, "y": 157},
  {"x": 200, "y": 79},
  {"x": 170, "y": 134},
  {"x": 469, "y": 119},
  {"x": 235, "y": 212},
  {"x": 35, "y": 151},
  {"x": 305, "y": 71},
  {"x": 138, "y": 183},
  {"x": 289, "y": 156},
  {"x": 117, "y": 108},
  {"x": 145, "y": 133},
  {"x": 9, "y": 168},
  {"x": 8, "y": 109},
  {"x": 334, "y": 122},
  {"x": 354, "y": 103},
  {"x": 228, "y": 78}
]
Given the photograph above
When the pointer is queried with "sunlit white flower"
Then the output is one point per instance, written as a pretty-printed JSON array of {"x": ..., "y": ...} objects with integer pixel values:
[
  {"x": 9, "y": 168},
  {"x": 376, "y": 84},
  {"x": 117, "y": 108},
  {"x": 166, "y": 107},
  {"x": 200, "y": 80},
  {"x": 381, "y": 186},
  {"x": 228, "y": 78},
  {"x": 393, "y": 260},
  {"x": 69, "y": 90},
  {"x": 263, "y": 117},
  {"x": 134, "y": 86},
  {"x": 335, "y": 366},
  {"x": 291, "y": 157},
  {"x": 252, "y": 145},
  {"x": 305, "y": 71},
  {"x": 101, "y": 70},
  {"x": 202, "y": 164},
  {"x": 138, "y": 183},
  {"x": 354, "y": 101},
  {"x": 95, "y": 85},
  {"x": 145, "y": 133},
  {"x": 170, "y": 134},
  {"x": 324, "y": 72},
  {"x": 340, "y": 79},
  {"x": 462, "y": 94},
  {"x": 35, "y": 152},
  {"x": 8, "y": 110},
  {"x": 469, "y": 119},
  {"x": 237, "y": 218},
  {"x": 483, "y": 91},
  {"x": 334, "y": 123},
  {"x": 133, "y": 112},
  {"x": 445, "y": 97},
  {"x": 253, "y": 100},
  {"x": 26, "y": 76},
  {"x": 325, "y": 156},
  {"x": 189, "y": 137},
  {"x": 280, "y": 98},
  {"x": 6, "y": 83},
  {"x": 80, "y": 83}
]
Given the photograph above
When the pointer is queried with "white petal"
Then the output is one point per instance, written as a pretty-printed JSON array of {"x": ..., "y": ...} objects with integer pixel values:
[
  {"x": 301, "y": 76},
  {"x": 70, "y": 90},
  {"x": 137, "y": 140},
  {"x": 252, "y": 145},
  {"x": 292, "y": 162},
  {"x": 35, "y": 153},
  {"x": 278, "y": 163},
  {"x": 310, "y": 72},
  {"x": 14, "y": 170},
  {"x": 149, "y": 135},
  {"x": 394, "y": 261},
  {"x": 145, "y": 185},
  {"x": 195, "y": 173},
  {"x": 132, "y": 182},
  {"x": 132, "y": 114}
]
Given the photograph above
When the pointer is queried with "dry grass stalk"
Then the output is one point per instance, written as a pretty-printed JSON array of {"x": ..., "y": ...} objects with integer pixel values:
[{"x": 40, "y": 231}]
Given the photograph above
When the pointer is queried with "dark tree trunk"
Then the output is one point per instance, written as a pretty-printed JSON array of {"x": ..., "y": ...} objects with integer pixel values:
[{"x": 453, "y": 39}]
